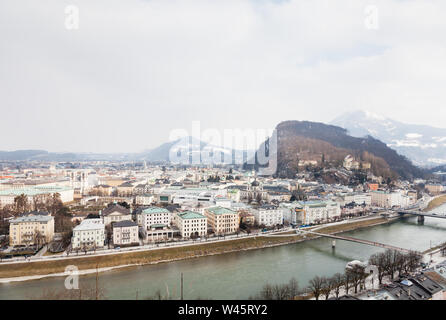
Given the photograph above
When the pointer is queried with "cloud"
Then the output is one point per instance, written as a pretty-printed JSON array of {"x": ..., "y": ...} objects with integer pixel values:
[{"x": 135, "y": 70}]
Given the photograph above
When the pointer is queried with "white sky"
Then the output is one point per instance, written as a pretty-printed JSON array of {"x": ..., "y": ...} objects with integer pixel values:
[{"x": 136, "y": 70}]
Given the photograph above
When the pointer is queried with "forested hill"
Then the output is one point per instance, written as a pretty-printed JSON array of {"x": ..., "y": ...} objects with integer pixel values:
[{"x": 304, "y": 139}]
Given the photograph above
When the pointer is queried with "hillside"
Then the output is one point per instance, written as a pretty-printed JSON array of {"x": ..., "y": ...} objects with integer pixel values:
[{"x": 304, "y": 140}]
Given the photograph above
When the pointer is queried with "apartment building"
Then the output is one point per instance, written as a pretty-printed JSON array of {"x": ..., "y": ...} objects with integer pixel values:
[
  {"x": 318, "y": 211},
  {"x": 222, "y": 220},
  {"x": 268, "y": 215},
  {"x": 154, "y": 216},
  {"x": 125, "y": 233},
  {"x": 358, "y": 198},
  {"x": 89, "y": 234},
  {"x": 191, "y": 224},
  {"x": 33, "y": 228}
]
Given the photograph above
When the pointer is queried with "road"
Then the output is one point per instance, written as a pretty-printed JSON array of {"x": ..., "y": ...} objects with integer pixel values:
[{"x": 140, "y": 248}]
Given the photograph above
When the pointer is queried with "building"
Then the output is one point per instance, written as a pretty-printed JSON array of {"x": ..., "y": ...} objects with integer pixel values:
[
  {"x": 154, "y": 216},
  {"x": 115, "y": 213},
  {"x": 33, "y": 228},
  {"x": 101, "y": 190},
  {"x": 434, "y": 188},
  {"x": 418, "y": 287},
  {"x": 318, "y": 211},
  {"x": 90, "y": 234},
  {"x": 350, "y": 163},
  {"x": 7, "y": 196},
  {"x": 372, "y": 186},
  {"x": 222, "y": 220},
  {"x": 144, "y": 199},
  {"x": 159, "y": 232},
  {"x": 291, "y": 210},
  {"x": 386, "y": 199},
  {"x": 191, "y": 224},
  {"x": 125, "y": 189},
  {"x": 358, "y": 198},
  {"x": 125, "y": 233},
  {"x": 253, "y": 192},
  {"x": 247, "y": 217},
  {"x": 268, "y": 215}
]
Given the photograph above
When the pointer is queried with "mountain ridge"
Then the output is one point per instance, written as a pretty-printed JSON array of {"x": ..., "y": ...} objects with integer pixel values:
[{"x": 424, "y": 145}]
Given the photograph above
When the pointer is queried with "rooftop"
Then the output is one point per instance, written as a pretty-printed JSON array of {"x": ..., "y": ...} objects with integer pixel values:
[
  {"x": 125, "y": 223},
  {"x": 221, "y": 210},
  {"x": 39, "y": 217},
  {"x": 153, "y": 210},
  {"x": 34, "y": 190},
  {"x": 190, "y": 215}
]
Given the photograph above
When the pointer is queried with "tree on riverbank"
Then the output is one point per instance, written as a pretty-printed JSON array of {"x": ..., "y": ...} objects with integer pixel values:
[
  {"x": 388, "y": 263},
  {"x": 287, "y": 291}
]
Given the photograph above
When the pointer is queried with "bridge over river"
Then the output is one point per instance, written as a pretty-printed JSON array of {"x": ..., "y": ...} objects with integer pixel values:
[
  {"x": 421, "y": 214},
  {"x": 346, "y": 238},
  {"x": 362, "y": 241}
]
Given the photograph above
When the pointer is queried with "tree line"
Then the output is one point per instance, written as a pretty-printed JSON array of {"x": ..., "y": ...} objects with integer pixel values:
[{"x": 388, "y": 263}]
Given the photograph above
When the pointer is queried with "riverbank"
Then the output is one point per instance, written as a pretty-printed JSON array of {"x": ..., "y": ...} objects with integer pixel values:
[
  {"x": 435, "y": 203},
  {"x": 41, "y": 269}
]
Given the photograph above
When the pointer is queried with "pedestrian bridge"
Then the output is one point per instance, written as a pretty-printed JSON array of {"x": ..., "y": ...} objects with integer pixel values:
[
  {"x": 346, "y": 238},
  {"x": 362, "y": 241}
]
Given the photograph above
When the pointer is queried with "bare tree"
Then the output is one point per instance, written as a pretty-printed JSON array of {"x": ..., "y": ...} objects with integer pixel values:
[
  {"x": 21, "y": 204},
  {"x": 316, "y": 284},
  {"x": 391, "y": 259},
  {"x": 338, "y": 281},
  {"x": 293, "y": 288},
  {"x": 326, "y": 287},
  {"x": 357, "y": 275},
  {"x": 379, "y": 261},
  {"x": 413, "y": 261}
]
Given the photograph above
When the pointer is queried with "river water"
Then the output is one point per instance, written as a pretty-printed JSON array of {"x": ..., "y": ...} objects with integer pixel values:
[{"x": 241, "y": 275}]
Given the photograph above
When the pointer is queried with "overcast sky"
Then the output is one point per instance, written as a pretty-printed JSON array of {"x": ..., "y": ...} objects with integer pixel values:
[{"x": 135, "y": 70}]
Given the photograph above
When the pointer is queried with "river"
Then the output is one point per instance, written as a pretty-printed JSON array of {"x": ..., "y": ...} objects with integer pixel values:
[{"x": 241, "y": 275}]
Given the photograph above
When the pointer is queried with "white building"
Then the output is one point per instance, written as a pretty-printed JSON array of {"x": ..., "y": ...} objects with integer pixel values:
[
  {"x": 125, "y": 233},
  {"x": 318, "y": 211},
  {"x": 191, "y": 224},
  {"x": 385, "y": 199},
  {"x": 89, "y": 234},
  {"x": 144, "y": 199},
  {"x": 198, "y": 195},
  {"x": 154, "y": 216},
  {"x": 7, "y": 196},
  {"x": 268, "y": 215},
  {"x": 223, "y": 202},
  {"x": 358, "y": 198}
]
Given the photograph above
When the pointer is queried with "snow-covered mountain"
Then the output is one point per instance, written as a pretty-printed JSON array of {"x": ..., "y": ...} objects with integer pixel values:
[
  {"x": 188, "y": 150},
  {"x": 424, "y": 145}
]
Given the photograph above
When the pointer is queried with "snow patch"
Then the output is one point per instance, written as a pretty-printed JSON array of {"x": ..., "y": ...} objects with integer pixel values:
[
  {"x": 437, "y": 160},
  {"x": 413, "y": 135},
  {"x": 375, "y": 116}
]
